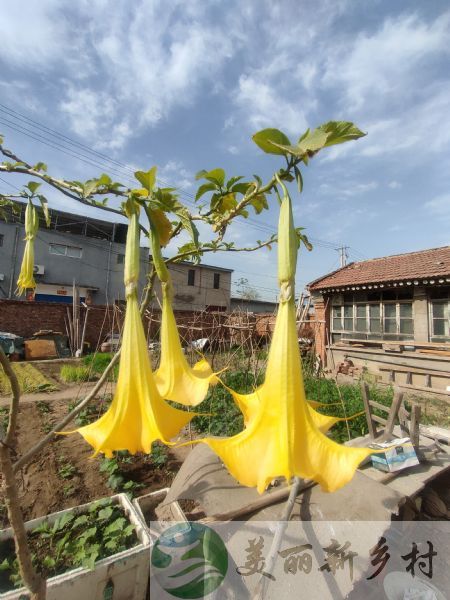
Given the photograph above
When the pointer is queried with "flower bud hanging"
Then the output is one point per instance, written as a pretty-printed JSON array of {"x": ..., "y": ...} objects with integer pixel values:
[
  {"x": 26, "y": 276},
  {"x": 138, "y": 415}
]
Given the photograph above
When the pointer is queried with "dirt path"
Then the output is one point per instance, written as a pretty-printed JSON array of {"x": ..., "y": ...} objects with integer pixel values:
[{"x": 76, "y": 392}]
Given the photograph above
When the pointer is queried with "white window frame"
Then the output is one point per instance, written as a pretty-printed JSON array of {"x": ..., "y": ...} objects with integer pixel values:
[
  {"x": 67, "y": 249},
  {"x": 443, "y": 301},
  {"x": 382, "y": 333}
]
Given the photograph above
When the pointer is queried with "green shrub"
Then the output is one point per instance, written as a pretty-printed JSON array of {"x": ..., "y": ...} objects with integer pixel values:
[
  {"x": 224, "y": 418},
  {"x": 348, "y": 400},
  {"x": 75, "y": 374},
  {"x": 98, "y": 362}
]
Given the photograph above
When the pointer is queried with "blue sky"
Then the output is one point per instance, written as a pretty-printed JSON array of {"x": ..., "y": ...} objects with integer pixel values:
[{"x": 184, "y": 85}]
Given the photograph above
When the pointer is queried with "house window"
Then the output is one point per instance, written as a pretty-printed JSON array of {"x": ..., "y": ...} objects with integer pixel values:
[
  {"x": 191, "y": 277},
  {"x": 120, "y": 259},
  {"x": 62, "y": 250},
  {"x": 1, "y": 240},
  {"x": 216, "y": 281},
  {"x": 389, "y": 317},
  {"x": 440, "y": 320}
]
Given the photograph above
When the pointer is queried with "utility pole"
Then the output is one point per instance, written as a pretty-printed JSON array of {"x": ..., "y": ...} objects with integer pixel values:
[{"x": 343, "y": 254}]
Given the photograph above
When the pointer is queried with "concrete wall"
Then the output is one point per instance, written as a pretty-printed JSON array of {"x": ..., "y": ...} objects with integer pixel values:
[
  {"x": 202, "y": 295},
  {"x": 436, "y": 368},
  {"x": 98, "y": 266}
]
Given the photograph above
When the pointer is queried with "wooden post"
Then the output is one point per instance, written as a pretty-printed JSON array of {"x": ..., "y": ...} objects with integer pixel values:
[
  {"x": 393, "y": 412},
  {"x": 366, "y": 397}
]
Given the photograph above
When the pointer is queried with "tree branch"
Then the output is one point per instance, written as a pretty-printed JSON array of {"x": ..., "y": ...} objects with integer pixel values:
[
  {"x": 32, "y": 580},
  {"x": 14, "y": 407}
]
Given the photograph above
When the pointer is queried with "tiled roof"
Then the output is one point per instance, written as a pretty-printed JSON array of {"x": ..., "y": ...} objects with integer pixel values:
[{"x": 433, "y": 263}]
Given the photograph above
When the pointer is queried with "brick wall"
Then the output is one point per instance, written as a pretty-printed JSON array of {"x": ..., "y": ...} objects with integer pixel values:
[{"x": 26, "y": 318}]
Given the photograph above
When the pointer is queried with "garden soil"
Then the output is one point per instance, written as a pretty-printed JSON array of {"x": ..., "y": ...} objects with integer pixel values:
[{"x": 64, "y": 474}]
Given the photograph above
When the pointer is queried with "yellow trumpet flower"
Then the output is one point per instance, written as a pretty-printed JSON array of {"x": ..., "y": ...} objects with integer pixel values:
[
  {"x": 284, "y": 436},
  {"x": 175, "y": 379},
  {"x": 26, "y": 278},
  {"x": 138, "y": 415}
]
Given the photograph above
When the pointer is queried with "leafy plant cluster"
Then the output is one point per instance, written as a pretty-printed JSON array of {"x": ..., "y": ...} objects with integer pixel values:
[
  {"x": 76, "y": 374},
  {"x": 73, "y": 540},
  {"x": 346, "y": 397},
  {"x": 117, "y": 478},
  {"x": 31, "y": 380},
  {"x": 89, "y": 413},
  {"x": 92, "y": 367},
  {"x": 98, "y": 362},
  {"x": 221, "y": 415}
]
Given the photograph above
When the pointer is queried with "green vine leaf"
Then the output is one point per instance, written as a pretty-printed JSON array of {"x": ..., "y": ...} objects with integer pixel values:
[
  {"x": 203, "y": 189},
  {"x": 271, "y": 141},
  {"x": 147, "y": 178}
]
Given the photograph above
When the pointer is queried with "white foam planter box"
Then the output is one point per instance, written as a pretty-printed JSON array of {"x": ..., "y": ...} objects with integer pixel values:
[
  {"x": 128, "y": 571},
  {"x": 145, "y": 504}
]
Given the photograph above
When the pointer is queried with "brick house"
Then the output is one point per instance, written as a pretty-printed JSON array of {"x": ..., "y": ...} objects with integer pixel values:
[{"x": 393, "y": 310}]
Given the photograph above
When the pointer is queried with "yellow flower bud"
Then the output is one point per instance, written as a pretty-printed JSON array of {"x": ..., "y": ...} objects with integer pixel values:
[{"x": 26, "y": 277}]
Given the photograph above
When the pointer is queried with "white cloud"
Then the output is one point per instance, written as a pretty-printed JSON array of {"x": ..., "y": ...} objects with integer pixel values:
[
  {"x": 265, "y": 106},
  {"x": 29, "y": 33},
  {"x": 439, "y": 206},
  {"x": 348, "y": 189},
  {"x": 377, "y": 66},
  {"x": 175, "y": 174},
  {"x": 394, "y": 185}
]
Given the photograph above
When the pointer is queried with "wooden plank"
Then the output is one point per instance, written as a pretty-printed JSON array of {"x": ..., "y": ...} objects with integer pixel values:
[
  {"x": 416, "y": 412},
  {"x": 379, "y": 420},
  {"x": 370, "y": 424},
  {"x": 395, "y": 406},
  {"x": 415, "y": 370},
  {"x": 40, "y": 349},
  {"x": 435, "y": 433},
  {"x": 376, "y": 404},
  {"x": 421, "y": 388}
]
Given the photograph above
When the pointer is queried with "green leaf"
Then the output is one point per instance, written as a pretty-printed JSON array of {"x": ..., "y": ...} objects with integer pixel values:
[
  {"x": 4, "y": 565},
  {"x": 313, "y": 141},
  {"x": 206, "y": 187},
  {"x": 81, "y": 520},
  {"x": 259, "y": 203},
  {"x": 299, "y": 179},
  {"x": 162, "y": 224},
  {"x": 92, "y": 553},
  {"x": 89, "y": 187},
  {"x": 201, "y": 174},
  {"x": 88, "y": 533},
  {"x": 33, "y": 186},
  {"x": 44, "y": 206},
  {"x": 104, "y": 179},
  {"x": 241, "y": 188},
  {"x": 232, "y": 181},
  {"x": 188, "y": 224},
  {"x": 40, "y": 166},
  {"x": 147, "y": 178},
  {"x": 62, "y": 521},
  {"x": 227, "y": 203},
  {"x": 215, "y": 176},
  {"x": 49, "y": 562},
  {"x": 339, "y": 132},
  {"x": 269, "y": 140},
  {"x": 115, "y": 526},
  {"x": 105, "y": 513}
]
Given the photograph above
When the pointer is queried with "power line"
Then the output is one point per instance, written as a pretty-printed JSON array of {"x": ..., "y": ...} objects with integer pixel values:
[{"x": 101, "y": 160}]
